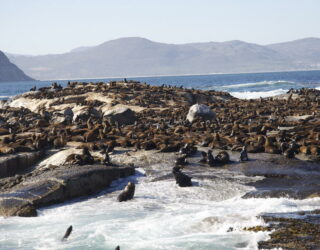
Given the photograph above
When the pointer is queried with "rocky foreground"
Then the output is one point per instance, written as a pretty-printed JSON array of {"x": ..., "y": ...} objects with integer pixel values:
[{"x": 61, "y": 143}]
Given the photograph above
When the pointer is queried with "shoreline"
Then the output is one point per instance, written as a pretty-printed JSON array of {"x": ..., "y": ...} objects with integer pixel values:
[{"x": 173, "y": 75}]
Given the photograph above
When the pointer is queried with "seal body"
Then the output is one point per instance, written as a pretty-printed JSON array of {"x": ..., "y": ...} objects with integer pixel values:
[
  {"x": 127, "y": 193},
  {"x": 182, "y": 179},
  {"x": 67, "y": 233}
]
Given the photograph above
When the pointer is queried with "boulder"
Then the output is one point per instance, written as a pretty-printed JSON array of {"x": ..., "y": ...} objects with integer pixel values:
[
  {"x": 200, "y": 111},
  {"x": 84, "y": 113},
  {"x": 65, "y": 116},
  {"x": 122, "y": 116},
  {"x": 16, "y": 207}
]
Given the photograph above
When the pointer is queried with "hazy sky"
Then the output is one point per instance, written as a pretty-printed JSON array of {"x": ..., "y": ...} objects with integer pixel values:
[{"x": 57, "y": 26}]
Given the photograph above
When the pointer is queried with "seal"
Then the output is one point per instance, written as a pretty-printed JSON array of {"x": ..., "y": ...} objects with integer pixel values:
[
  {"x": 182, "y": 179},
  {"x": 181, "y": 161},
  {"x": 244, "y": 154},
  {"x": 188, "y": 149},
  {"x": 127, "y": 193},
  {"x": 210, "y": 158},
  {"x": 86, "y": 156},
  {"x": 67, "y": 233},
  {"x": 203, "y": 157},
  {"x": 222, "y": 157}
]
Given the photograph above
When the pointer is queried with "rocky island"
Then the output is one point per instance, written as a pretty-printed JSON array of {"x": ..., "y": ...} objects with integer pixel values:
[{"x": 59, "y": 143}]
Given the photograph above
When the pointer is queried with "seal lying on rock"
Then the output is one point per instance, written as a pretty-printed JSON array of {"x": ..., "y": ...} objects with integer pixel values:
[
  {"x": 182, "y": 179},
  {"x": 84, "y": 159},
  {"x": 222, "y": 157},
  {"x": 127, "y": 193},
  {"x": 188, "y": 149}
]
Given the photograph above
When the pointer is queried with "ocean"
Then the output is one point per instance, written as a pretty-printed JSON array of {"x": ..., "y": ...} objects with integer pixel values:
[
  {"x": 246, "y": 85},
  {"x": 162, "y": 215}
]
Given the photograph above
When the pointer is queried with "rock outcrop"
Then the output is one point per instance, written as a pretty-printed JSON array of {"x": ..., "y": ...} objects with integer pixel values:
[
  {"x": 122, "y": 116},
  {"x": 11, "y": 164},
  {"x": 50, "y": 186}
]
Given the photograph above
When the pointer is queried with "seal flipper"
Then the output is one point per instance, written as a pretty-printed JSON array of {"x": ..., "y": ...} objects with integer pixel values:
[{"x": 67, "y": 234}]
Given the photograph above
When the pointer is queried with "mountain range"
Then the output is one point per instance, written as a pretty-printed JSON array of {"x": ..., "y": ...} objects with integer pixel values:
[
  {"x": 135, "y": 56},
  {"x": 10, "y": 72}
]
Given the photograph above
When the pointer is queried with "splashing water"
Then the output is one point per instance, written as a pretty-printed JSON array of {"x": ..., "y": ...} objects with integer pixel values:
[{"x": 209, "y": 215}]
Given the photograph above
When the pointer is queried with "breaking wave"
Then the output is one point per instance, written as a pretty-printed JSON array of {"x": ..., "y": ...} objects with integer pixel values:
[
  {"x": 253, "y": 84},
  {"x": 258, "y": 94},
  {"x": 5, "y": 96}
]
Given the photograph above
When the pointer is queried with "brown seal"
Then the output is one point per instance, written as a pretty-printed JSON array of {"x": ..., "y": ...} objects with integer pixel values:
[{"x": 127, "y": 193}]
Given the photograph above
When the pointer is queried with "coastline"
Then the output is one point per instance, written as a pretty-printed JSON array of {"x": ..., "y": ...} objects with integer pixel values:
[{"x": 172, "y": 75}]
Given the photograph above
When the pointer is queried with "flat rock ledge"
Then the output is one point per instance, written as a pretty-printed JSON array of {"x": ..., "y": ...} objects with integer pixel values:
[
  {"x": 12, "y": 164},
  {"x": 58, "y": 185}
]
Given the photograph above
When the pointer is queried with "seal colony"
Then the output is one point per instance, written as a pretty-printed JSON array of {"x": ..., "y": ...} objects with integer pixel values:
[
  {"x": 133, "y": 114},
  {"x": 93, "y": 124}
]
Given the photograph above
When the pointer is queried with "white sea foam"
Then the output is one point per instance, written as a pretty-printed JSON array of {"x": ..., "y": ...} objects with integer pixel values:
[
  {"x": 161, "y": 216},
  {"x": 5, "y": 96},
  {"x": 258, "y": 94},
  {"x": 252, "y": 84}
]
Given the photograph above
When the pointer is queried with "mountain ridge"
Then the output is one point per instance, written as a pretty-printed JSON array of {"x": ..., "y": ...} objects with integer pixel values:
[
  {"x": 9, "y": 71},
  {"x": 140, "y": 56}
]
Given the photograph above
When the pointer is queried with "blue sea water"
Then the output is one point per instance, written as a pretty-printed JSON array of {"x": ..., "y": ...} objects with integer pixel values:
[{"x": 245, "y": 85}]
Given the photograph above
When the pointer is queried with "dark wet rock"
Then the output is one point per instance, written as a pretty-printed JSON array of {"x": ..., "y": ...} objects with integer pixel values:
[
  {"x": 285, "y": 184},
  {"x": 12, "y": 164},
  {"x": 45, "y": 187},
  {"x": 292, "y": 233},
  {"x": 121, "y": 116},
  {"x": 16, "y": 207},
  {"x": 201, "y": 111},
  {"x": 257, "y": 229}
]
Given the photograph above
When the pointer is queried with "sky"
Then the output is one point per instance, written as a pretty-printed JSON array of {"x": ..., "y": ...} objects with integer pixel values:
[{"x": 56, "y": 26}]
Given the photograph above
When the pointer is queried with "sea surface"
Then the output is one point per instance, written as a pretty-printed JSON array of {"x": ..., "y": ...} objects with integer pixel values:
[
  {"x": 246, "y": 85},
  {"x": 210, "y": 215}
]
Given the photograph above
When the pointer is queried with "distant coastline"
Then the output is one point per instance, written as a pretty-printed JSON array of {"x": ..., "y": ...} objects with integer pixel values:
[{"x": 174, "y": 75}]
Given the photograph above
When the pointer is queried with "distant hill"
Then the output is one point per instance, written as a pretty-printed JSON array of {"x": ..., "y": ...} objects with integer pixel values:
[
  {"x": 136, "y": 56},
  {"x": 303, "y": 52},
  {"x": 10, "y": 72}
]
